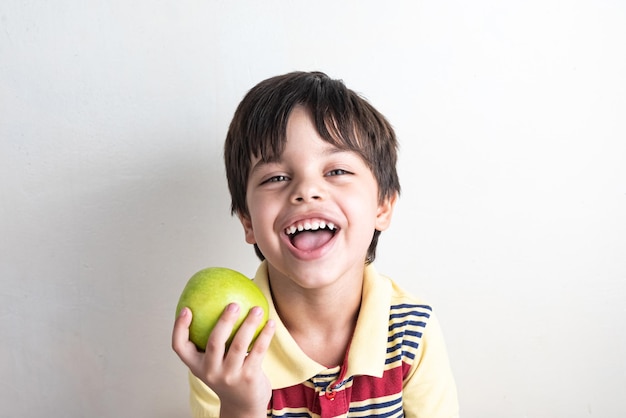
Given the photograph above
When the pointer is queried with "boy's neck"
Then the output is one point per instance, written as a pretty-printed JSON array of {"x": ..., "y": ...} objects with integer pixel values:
[{"x": 321, "y": 321}]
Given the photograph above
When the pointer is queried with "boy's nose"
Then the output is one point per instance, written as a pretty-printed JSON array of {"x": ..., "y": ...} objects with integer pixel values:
[
  {"x": 301, "y": 199},
  {"x": 306, "y": 192}
]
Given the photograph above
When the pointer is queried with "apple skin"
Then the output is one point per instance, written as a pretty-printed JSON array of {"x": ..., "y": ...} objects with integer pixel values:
[{"x": 209, "y": 291}]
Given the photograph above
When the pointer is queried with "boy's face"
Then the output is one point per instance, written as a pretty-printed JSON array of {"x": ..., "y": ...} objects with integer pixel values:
[{"x": 313, "y": 211}]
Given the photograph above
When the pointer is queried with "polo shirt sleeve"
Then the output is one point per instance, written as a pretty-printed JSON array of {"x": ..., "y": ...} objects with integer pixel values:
[
  {"x": 429, "y": 390},
  {"x": 203, "y": 401}
]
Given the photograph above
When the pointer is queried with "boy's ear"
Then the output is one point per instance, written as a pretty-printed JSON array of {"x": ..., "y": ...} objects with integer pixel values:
[
  {"x": 247, "y": 228},
  {"x": 385, "y": 210}
]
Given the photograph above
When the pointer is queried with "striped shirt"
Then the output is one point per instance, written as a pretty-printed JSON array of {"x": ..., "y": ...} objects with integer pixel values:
[{"x": 396, "y": 366}]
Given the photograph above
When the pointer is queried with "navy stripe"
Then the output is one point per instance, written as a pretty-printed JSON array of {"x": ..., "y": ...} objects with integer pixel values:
[
  {"x": 393, "y": 359},
  {"x": 406, "y": 323},
  {"x": 377, "y": 405},
  {"x": 327, "y": 376},
  {"x": 409, "y": 305},
  {"x": 394, "y": 348},
  {"x": 412, "y": 333},
  {"x": 409, "y": 313},
  {"x": 410, "y": 344}
]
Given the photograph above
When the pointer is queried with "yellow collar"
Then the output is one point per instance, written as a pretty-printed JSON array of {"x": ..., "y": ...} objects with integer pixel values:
[{"x": 287, "y": 365}]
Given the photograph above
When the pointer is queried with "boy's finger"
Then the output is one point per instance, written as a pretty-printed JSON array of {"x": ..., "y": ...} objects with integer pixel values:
[
  {"x": 261, "y": 344},
  {"x": 216, "y": 344},
  {"x": 185, "y": 349},
  {"x": 243, "y": 339}
]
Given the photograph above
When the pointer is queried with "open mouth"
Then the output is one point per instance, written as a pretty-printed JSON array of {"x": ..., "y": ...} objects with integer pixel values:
[{"x": 310, "y": 234}]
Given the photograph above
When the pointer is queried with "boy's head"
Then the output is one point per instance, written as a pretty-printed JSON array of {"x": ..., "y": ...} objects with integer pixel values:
[{"x": 342, "y": 118}]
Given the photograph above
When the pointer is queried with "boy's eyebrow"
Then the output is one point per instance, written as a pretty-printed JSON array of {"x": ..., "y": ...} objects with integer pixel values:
[
  {"x": 258, "y": 165},
  {"x": 328, "y": 151}
]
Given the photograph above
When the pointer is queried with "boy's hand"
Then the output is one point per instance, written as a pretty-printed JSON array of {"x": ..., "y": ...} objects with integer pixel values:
[{"x": 235, "y": 375}]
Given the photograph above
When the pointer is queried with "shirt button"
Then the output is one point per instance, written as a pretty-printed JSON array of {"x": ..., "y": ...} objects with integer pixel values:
[{"x": 330, "y": 395}]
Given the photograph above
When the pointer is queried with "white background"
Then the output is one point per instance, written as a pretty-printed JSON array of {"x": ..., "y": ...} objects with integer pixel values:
[{"x": 512, "y": 221}]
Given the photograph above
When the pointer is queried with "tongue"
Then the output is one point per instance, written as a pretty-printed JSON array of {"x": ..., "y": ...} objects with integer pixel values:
[{"x": 308, "y": 240}]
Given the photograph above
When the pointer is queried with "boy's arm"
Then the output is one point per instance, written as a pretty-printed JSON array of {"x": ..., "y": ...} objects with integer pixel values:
[
  {"x": 429, "y": 390},
  {"x": 235, "y": 375}
]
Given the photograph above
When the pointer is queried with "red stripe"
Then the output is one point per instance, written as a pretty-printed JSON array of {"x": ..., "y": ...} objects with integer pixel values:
[
  {"x": 363, "y": 388},
  {"x": 368, "y": 387},
  {"x": 297, "y": 396}
]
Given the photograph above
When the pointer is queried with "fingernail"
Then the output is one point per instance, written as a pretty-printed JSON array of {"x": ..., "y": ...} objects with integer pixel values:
[
  {"x": 232, "y": 307},
  {"x": 183, "y": 312},
  {"x": 257, "y": 311}
]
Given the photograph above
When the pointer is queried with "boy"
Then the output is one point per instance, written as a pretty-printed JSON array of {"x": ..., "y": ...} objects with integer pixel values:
[{"x": 311, "y": 169}]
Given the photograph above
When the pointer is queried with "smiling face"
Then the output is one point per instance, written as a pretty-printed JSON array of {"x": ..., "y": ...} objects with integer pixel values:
[
  {"x": 313, "y": 209},
  {"x": 342, "y": 118}
]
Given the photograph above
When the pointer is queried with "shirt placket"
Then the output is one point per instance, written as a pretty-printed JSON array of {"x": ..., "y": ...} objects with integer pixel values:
[{"x": 332, "y": 397}]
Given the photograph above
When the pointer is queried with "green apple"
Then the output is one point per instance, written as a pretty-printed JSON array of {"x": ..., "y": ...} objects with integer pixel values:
[{"x": 209, "y": 291}]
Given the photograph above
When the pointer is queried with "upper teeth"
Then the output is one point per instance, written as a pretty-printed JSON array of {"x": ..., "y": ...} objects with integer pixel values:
[{"x": 309, "y": 226}]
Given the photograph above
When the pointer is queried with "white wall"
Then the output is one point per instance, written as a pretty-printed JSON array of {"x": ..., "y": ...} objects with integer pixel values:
[{"x": 512, "y": 219}]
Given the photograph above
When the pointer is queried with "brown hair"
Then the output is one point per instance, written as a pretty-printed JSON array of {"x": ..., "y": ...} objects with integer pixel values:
[{"x": 341, "y": 117}]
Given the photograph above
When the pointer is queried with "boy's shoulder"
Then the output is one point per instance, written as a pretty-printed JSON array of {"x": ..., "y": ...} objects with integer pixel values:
[
  {"x": 401, "y": 298},
  {"x": 407, "y": 310},
  {"x": 387, "y": 304},
  {"x": 398, "y": 296}
]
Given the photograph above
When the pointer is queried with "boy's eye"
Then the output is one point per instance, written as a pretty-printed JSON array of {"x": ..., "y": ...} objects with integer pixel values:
[
  {"x": 275, "y": 179},
  {"x": 337, "y": 172}
]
